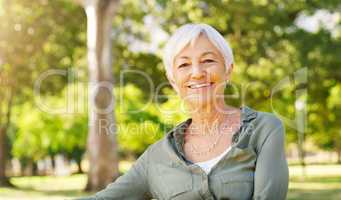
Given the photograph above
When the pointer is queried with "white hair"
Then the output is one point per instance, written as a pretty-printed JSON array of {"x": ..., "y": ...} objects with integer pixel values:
[{"x": 187, "y": 34}]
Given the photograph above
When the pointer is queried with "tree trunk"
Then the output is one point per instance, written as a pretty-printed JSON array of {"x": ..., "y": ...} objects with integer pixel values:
[
  {"x": 101, "y": 145},
  {"x": 53, "y": 163},
  {"x": 34, "y": 169},
  {"x": 79, "y": 165},
  {"x": 4, "y": 181},
  {"x": 28, "y": 171},
  {"x": 301, "y": 154}
]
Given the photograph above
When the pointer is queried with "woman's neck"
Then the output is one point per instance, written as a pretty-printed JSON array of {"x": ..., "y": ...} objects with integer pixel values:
[{"x": 208, "y": 118}]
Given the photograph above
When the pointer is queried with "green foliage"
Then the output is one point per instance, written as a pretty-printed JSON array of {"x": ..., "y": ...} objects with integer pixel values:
[
  {"x": 46, "y": 132},
  {"x": 37, "y": 36},
  {"x": 140, "y": 122}
]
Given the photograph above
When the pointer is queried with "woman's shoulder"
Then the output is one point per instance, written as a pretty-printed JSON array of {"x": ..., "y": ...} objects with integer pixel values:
[
  {"x": 163, "y": 149},
  {"x": 158, "y": 150},
  {"x": 260, "y": 120},
  {"x": 268, "y": 120},
  {"x": 266, "y": 125}
]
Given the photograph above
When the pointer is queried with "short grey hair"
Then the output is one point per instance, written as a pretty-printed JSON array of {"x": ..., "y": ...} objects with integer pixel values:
[{"x": 187, "y": 34}]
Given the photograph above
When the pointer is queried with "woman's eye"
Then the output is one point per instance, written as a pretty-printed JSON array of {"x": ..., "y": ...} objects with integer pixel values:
[
  {"x": 183, "y": 65},
  {"x": 208, "y": 61}
]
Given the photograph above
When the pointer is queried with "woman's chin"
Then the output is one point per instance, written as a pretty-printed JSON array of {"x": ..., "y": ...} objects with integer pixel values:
[{"x": 200, "y": 103}]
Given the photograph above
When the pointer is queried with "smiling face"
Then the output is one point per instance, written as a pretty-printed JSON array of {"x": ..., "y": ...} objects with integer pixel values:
[{"x": 199, "y": 73}]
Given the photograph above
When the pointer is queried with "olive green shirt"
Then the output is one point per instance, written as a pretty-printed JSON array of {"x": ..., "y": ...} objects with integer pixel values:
[{"x": 254, "y": 168}]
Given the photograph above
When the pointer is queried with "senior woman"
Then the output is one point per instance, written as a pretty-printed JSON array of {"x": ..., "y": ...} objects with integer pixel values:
[{"x": 221, "y": 152}]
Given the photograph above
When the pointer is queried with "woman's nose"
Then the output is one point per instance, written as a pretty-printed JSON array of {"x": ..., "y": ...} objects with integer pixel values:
[{"x": 197, "y": 72}]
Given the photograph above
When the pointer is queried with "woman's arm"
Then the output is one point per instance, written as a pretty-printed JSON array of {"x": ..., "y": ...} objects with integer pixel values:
[
  {"x": 133, "y": 185},
  {"x": 271, "y": 175}
]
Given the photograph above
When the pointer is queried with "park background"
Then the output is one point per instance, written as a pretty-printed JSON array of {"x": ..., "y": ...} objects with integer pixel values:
[{"x": 52, "y": 52}]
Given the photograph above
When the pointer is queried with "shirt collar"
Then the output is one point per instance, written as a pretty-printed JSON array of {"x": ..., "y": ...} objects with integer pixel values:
[{"x": 176, "y": 135}]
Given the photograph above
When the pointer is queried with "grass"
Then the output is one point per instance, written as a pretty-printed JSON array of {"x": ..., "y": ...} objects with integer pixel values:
[
  {"x": 320, "y": 182},
  {"x": 45, "y": 187}
]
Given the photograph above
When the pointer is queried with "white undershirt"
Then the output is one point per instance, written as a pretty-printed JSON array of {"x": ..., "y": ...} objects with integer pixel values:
[{"x": 207, "y": 165}]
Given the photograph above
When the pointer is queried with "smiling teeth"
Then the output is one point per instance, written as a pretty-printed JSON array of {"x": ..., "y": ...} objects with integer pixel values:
[{"x": 200, "y": 85}]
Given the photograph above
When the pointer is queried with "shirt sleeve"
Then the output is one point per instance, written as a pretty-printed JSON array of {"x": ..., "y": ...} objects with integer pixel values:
[
  {"x": 271, "y": 174},
  {"x": 133, "y": 185}
]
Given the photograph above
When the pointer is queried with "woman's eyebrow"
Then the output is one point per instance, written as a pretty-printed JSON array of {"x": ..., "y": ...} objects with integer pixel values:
[
  {"x": 183, "y": 57},
  {"x": 207, "y": 53},
  {"x": 203, "y": 54}
]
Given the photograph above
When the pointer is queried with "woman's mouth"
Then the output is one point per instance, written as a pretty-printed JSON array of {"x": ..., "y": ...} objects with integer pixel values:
[{"x": 199, "y": 85}]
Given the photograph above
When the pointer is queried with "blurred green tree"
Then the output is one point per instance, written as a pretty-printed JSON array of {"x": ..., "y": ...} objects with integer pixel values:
[{"x": 34, "y": 37}]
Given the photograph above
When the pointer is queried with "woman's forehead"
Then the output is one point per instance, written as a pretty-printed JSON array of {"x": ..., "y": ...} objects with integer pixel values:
[{"x": 201, "y": 46}]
